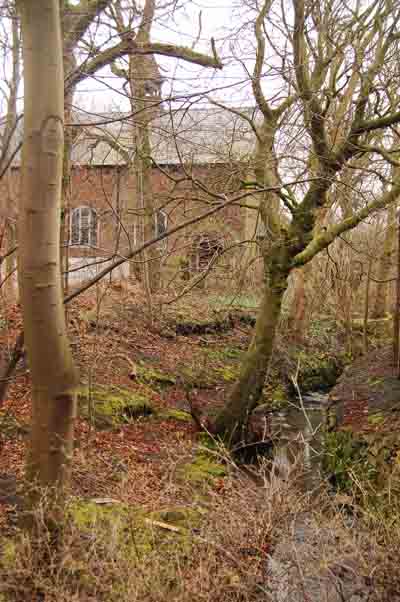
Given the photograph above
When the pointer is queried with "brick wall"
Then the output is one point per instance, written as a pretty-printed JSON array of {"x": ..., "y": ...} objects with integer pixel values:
[{"x": 111, "y": 190}]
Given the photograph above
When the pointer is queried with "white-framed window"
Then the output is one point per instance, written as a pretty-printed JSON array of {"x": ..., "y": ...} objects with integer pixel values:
[{"x": 84, "y": 227}]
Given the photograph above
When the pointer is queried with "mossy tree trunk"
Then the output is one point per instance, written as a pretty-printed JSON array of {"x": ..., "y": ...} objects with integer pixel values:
[
  {"x": 248, "y": 389},
  {"x": 52, "y": 371},
  {"x": 275, "y": 253}
]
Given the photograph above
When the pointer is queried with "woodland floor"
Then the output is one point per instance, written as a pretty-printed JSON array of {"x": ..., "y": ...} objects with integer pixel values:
[
  {"x": 112, "y": 340},
  {"x": 191, "y": 350}
]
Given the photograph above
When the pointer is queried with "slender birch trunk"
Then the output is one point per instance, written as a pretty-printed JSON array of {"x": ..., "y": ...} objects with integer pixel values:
[{"x": 53, "y": 375}]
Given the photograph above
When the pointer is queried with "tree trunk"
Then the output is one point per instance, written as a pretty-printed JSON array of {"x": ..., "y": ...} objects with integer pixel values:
[
  {"x": 248, "y": 389},
  {"x": 149, "y": 271},
  {"x": 385, "y": 264},
  {"x": 52, "y": 371},
  {"x": 297, "y": 321},
  {"x": 10, "y": 288},
  {"x": 69, "y": 64}
]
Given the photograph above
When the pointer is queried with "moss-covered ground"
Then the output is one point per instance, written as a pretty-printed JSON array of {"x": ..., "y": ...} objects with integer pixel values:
[{"x": 143, "y": 480}]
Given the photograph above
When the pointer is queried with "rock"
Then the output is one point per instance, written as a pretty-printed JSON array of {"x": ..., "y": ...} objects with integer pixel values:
[
  {"x": 111, "y": 407},
  {"x": 202, "y": 470}
]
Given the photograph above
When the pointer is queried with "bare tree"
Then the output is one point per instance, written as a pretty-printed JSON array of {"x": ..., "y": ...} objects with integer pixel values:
[
  {"x": 336, "y": 52},
  {"x": 81, "y": 26},
  {"x": 143, "y": 80}
]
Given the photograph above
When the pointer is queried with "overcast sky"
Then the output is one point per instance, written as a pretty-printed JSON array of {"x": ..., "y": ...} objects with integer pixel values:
[{"x": 181, "y": 77}]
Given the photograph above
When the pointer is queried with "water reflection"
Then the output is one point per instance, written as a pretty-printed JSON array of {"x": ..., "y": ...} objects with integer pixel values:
[{"x": 298, "y": 432}]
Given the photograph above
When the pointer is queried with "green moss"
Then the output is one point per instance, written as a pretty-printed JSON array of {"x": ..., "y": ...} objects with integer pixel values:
[
  {"x": 376, "y": 419},
  {"x": 228, "y": 373},
  {"x": 201, "y": 376},
  {"x": 152, "y": 376},
  {"x": 8, "y": 553},
  {"x": 175, "y": 414},
  {"x": 317, "y": 371},
  {"x": 183, "y": 517},
  {"x": 111, "y": 407},
  {"x": 279, "y": 396},
  {"x": 87, "y": 515},
  {"x": 115, "y": 523},
  {"x": 203, "y": 469},
  {"x": 135, "y": 531},
  {"x": 226, "y": 353},
  {"x": 232, "y": 353},
  {"x": 347, "y": 458}
]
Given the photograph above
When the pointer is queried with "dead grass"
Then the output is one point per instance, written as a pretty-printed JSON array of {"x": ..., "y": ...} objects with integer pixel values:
[{"x": 239, "y": 542}]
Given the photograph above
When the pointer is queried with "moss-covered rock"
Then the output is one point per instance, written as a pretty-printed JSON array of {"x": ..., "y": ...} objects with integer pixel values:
[
  {"x": 139, "y": 532},
  {"x": 111, "y": 407},
  {"x": 150, "y": 375},
  {"x": 175, "y": 414},
  {"x": 369, "y": 459},
  {"x": 203, "y": 469},
  {"x": 317, "y": 371},
  {"x": 280, "y": 396},
  {"x": 8, "y": 551}
]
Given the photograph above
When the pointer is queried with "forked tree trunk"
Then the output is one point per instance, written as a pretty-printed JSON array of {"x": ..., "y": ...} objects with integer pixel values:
[
  {"x": 52, "y": 371},
  {"x": 248, "y": 389}
]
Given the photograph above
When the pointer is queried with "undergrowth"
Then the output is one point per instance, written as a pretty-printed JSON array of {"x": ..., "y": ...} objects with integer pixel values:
[{"x": 237, "y": 541}]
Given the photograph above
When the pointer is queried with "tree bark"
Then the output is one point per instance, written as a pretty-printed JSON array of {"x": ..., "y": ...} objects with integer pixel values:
[
  {"x": 299, "y": 304},
  {"x": 54, "y": 378},
  {"x": 396, "y": 316},
  {"x": 248, "y": 389},
  {"x": 141, "y": 73},
  {"x": 385, "y": 264}
]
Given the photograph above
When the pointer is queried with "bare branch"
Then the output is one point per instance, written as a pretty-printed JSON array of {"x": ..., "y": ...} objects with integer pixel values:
[{"x": 128, "y": 46}]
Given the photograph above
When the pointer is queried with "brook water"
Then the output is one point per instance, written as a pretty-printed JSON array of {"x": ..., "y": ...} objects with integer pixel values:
[{"x": 298, "y": 432}]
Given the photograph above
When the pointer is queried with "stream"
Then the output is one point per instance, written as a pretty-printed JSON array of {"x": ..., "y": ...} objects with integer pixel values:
[
  {"x": 297, "y": 571},
  {"x": 299, "y": 436}
]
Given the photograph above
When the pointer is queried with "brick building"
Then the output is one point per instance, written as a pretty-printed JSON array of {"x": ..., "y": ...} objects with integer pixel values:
[{"x": 193, "y": 153}]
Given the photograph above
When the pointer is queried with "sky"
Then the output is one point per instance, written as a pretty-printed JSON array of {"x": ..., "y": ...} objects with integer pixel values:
[{"x": 181, "y": 77}]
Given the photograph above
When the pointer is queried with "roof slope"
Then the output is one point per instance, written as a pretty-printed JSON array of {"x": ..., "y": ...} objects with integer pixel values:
[{"x": 195, "y": 136}]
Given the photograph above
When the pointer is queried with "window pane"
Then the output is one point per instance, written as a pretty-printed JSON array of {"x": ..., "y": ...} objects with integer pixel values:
[
  {"x": 84, "y": 222},
  {"x": 93, "y": 228},
  {"x": 84, "y": 236},
  {"x": 75, "y": 227}
]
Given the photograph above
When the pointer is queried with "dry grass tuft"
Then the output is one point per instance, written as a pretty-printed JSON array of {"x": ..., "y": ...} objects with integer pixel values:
[{"x": 239, "y": 542}]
